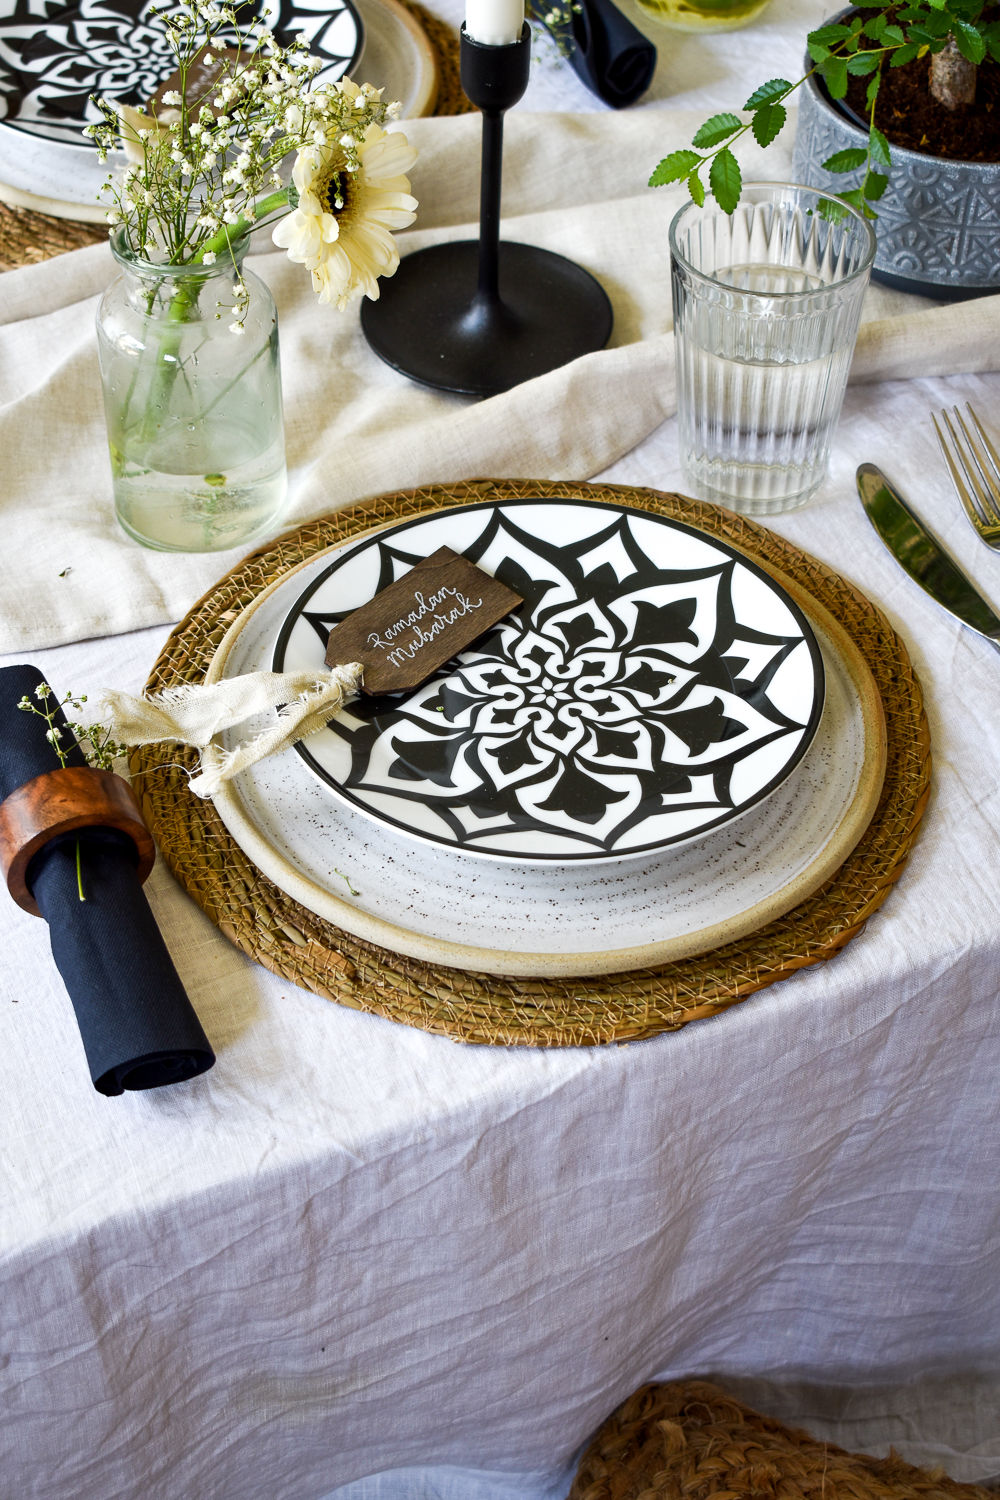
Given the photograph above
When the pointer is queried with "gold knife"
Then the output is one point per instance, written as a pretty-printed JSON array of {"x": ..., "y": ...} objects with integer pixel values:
[{"x": 922, "y": 555}]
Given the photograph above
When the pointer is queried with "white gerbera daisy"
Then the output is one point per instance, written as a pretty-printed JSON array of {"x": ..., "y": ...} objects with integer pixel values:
[{"x": 342, "y": 228}]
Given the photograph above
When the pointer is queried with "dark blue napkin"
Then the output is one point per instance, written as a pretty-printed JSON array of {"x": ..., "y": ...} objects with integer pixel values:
[
  {"x": 612, "y": 56},
  {"x": 138, "y": 1026}
]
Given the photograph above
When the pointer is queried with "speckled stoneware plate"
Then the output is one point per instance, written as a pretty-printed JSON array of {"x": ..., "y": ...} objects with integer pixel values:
[
  {"x": 442, "y": 905},
  {"x": 655, "y": 685},
  {"x": 53, "y": 57},
  {"x": 398, "y": 57}
]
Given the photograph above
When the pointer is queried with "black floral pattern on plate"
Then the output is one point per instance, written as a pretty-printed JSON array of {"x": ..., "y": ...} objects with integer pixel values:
[
  {"x": 609, "y": 715},
  {"x": 54, "y": 56}
]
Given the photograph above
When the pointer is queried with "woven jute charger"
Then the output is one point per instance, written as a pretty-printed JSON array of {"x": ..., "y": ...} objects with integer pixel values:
[
  {"x": 309, "y": 951},
  {"x": 27, "y": 237},
  {"x": 689, "y": 1440}
]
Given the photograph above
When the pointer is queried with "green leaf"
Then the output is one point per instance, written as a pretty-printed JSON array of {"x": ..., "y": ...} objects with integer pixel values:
[
  {"x": 835, "y": 73},
  {"x": 717, "y": 129},
  {"x": 817, "y": 51},
  {"x": 929, "y": 28},
  {"x": 834, "y": 212},
  {"x": 875, "y": 185},
  {"x": 872, "y": 93},
  {"x": 725, "y": 180},
  {"x": 878, "y": 150},
  {"x": 892, "y": 36},
  {"x": 994, "y": 48},
  {"x": 875, "y": 27},
  {"x": 846, "y": 161},
  {"x": 775, "y": 88},
  {"x": 825, "y": 34},
  {"x": 696, "y": 188},
  {"x": 863, "y": 62},
  {"x": 968, "y": 41},
  {"x": 767, "y": 122},
  {"x": 904, "y": 55},
  {"x": 293, "y": 194},
  {"x": 673, "y": 167},
  {"x": 853, "y": 197}
]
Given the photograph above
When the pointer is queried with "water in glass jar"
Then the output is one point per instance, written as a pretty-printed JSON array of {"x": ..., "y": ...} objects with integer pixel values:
[{"x": 202, "y": 512}]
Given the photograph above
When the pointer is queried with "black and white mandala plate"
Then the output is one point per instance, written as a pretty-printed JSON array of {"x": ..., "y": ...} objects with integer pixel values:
[
  {"x": 654, "y": 685},
  {"x": 54, "y": 56}
]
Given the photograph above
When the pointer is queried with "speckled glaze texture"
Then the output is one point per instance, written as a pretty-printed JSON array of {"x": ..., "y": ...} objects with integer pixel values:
[{"x": 938, "y": 221}]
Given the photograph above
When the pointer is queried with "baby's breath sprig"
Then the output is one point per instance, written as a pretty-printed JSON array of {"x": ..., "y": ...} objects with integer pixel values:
[
  {"x": 199, "y": 163},
  {"x": 95, "y": 741},
  {"x": 102, "y": 752},
  {"x": 557, "y": 18}
]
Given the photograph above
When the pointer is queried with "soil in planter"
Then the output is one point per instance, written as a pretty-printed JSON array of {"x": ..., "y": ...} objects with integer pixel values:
[{"x": 908, "y": 114}]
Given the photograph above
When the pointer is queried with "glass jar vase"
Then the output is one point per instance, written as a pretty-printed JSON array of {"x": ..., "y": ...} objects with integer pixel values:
[{"x": 193, "y": 404}]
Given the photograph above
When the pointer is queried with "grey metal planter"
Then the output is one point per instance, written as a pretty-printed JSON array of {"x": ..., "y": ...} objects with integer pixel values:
[{"x": 938, "y": 222}]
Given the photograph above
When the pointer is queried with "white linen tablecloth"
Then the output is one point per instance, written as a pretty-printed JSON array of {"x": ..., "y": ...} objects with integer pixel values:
[{"x": 353, "y": 1249}]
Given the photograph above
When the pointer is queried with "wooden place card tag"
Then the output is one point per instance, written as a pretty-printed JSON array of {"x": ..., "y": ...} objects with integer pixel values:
[{"x": 419, "y": 622}]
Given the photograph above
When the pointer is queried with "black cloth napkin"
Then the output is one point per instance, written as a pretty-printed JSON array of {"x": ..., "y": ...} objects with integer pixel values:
[
  {"x": 138, "y": 1026},
  {"x": 612, "y": 56}
]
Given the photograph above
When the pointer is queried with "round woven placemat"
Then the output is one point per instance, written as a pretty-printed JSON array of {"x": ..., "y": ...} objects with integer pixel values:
[
  {"x": 301, "y": 947},
  {"x": 689, "y": 1440},
  {"x": 27, "y": 237}
]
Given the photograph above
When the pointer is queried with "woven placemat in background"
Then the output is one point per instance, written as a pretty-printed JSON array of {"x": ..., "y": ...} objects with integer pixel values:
[
  {"x": 690, "y": 1440},
  {"x": 27, "y": 237},
  {"x": 309, "y": 951}
]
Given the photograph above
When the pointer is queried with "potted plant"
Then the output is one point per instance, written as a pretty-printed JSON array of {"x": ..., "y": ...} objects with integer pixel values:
[{"x": 900, "y": 97}]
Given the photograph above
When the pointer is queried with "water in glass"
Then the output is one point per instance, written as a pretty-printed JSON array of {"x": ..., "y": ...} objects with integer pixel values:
[{"x": 766, "y": 309}]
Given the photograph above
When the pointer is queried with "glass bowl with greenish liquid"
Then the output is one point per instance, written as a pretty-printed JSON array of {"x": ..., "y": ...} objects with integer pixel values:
[{"x": 703, "y": 15}]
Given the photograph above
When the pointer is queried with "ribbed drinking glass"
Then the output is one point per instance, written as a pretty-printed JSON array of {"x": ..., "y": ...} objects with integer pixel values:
[{"x": 767, "y": 302}]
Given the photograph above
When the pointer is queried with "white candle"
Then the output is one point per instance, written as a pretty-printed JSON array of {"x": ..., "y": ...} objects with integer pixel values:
[{"x": 495, "y": 22}]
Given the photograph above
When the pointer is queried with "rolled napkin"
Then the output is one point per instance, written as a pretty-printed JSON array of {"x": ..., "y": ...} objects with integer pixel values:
[
  {"x": 138, "y": 1027},
  {"x": 610, "y": 55}
]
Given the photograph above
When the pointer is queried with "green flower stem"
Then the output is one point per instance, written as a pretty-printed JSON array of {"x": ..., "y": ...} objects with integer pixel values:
[
  {"x": 79, "y": 873},
  {"x": 185, "y": 299},
  {"x": 224, "y": 238}
]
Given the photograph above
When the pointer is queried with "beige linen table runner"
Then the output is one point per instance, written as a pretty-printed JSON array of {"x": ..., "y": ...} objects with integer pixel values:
[{"x": 573, "y": 183}]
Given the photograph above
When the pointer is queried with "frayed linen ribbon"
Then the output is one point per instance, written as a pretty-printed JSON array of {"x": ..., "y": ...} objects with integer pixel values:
[{"x": 192, "y": 715}]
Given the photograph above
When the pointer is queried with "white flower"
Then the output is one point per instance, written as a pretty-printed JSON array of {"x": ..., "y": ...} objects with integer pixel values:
[
  {"x": 236, "y": 328},
  {"x": 347, "y": 250},
  {"x": 208, "y": 259},
  {"x": 172, "y": 97}
]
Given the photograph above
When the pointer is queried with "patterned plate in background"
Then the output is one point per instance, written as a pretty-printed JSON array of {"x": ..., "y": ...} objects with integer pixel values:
[{"x": 52, "y": 58}]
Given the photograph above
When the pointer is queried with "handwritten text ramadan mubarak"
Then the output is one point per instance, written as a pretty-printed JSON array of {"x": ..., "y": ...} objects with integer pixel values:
[{"x": 422, "y": 635}]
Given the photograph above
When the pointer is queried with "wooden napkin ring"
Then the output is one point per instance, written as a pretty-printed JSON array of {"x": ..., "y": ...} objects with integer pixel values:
[{"x": 57, "y": 802}]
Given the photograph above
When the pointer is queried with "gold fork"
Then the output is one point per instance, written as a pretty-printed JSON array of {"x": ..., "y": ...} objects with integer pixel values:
[{"x": 976, "y": 468}]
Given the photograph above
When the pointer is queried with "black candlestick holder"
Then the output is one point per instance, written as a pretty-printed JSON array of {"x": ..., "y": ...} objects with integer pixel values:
[{"x": 478, "y": 317}]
